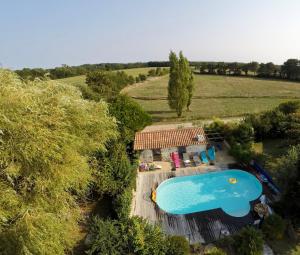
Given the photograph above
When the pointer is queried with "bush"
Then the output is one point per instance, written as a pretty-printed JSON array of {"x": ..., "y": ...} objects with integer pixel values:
[
  {"x": 242, "y": 152},
  {"x": 215, "y": 251},
  {"x": 142, "y": 77},
  {"x": 249, "y": 242},
  {"x": 177, "y": 245},
  {"x": 122, "y": 203},
  {"x": 130, "y": 236},
  {"x": 289, "y": 107},
  {"x": 273, "y": 227}
]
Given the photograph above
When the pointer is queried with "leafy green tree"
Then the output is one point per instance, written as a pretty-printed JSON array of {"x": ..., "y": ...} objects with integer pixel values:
[
  {"x": 112, "y": 169},
  {"x": 179, "y": 79},
  {"x": 249, "y": 242},
  {"x": 289, "y": 107},
  {"x": 47, "y": 135},
  {"x": 273, "y": 227},
  {"x": 177, "y": 245},
  {"x": 130, "y": 116},
  {"x": 190, "y": 88},
  {"x": 142, "y": 77},
  {"x": 253, "y": 67},
  {"x": 291, "y": 69},
  {"x": 130, "y": 236}
]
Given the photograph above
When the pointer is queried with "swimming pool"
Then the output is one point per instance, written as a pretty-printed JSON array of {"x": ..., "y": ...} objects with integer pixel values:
[{"x": 230, "y": 190}]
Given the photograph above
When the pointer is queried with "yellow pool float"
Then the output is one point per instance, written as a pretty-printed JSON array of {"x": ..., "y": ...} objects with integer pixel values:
[
  {"x": 153, "y": 196},
  {"x": 233, "y": 180}
]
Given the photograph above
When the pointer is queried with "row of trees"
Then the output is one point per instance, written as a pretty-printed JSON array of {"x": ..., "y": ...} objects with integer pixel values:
[
  {"x": 65, "y": 71},
  {"x": 289, "y": 70}
]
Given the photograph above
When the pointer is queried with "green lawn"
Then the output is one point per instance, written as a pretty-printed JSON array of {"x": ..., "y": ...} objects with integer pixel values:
[
  {"x": 215, "y": 96},
  {"x": 79, "y": 80}
]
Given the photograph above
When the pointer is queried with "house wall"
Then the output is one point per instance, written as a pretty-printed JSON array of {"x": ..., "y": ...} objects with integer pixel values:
[
  {"x": 146, "y": 156},
  {"x": 195, "y": 148},
  {"x": 165, "y": 153}
]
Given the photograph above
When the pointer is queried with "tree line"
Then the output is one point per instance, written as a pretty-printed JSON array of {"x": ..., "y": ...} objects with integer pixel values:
[
  {"x": 66, "y": 71},
  {"x": 290, "y": 70}
]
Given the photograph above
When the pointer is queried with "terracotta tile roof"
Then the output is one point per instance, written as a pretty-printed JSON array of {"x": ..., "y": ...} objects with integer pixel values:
[{"x": 168, "y": 138}]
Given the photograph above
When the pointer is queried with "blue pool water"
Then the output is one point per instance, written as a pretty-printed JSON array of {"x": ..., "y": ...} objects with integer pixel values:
[{"x": 196, "y": 193}]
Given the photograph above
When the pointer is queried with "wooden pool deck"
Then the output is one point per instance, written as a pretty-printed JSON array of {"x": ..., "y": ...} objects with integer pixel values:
[{"x": 204, "y": 227}]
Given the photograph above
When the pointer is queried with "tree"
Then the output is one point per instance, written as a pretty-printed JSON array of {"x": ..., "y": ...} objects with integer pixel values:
[
  {"x": 266, "y": 70},
  {"x": 130, "y": 236},
  {"x": 190, "y": 88},
  {"x": 291, "y": 69},
  {"x": 130, "y": 116},
  {"x": 180, "y": 77},
  {"x": 177, "y": 245},
  {"x": 253, "y": 67},
  {"x": 249, "y": 242},
  {"x": 47, "y": 135},
  {"x": 273, "y": 227}
]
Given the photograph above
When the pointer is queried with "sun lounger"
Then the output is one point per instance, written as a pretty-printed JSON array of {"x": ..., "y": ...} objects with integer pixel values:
[
  {"x": 186, "y": 159},
  {"x": 175, "y": 159},
  {"x": 204, "y": 157},
  {"x": 211, "y": 153},
  {"x": 196, "y": 160}
]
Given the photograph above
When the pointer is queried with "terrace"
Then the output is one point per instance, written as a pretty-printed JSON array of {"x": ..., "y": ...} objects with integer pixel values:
[{"x": 205, "y": 226}]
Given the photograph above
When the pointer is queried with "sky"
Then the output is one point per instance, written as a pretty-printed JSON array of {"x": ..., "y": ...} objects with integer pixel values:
[{"x": 40, "y": 33}]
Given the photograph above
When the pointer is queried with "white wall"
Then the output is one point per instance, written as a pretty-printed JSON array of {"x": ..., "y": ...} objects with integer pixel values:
[
  {"x": 165, "y": 153},
  {"x": 195, "y": 148},
  {"x": 146, "y": 156}
]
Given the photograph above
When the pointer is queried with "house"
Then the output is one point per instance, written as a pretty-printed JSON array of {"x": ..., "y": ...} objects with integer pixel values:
[{"x": 159, "y": 144}]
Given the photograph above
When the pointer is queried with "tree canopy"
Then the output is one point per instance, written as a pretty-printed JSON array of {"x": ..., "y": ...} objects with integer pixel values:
[
  {"x": 180, "y": 86},
  {"x": 47, "y": 134}
]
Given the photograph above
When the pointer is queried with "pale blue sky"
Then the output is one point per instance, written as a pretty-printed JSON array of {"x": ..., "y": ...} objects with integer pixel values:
[{"x": 40, "y": 33}]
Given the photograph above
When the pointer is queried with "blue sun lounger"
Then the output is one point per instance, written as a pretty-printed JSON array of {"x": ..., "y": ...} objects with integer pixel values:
[
  {"x": 204, "y": 157},
  {"x": 211, "y": 153}
]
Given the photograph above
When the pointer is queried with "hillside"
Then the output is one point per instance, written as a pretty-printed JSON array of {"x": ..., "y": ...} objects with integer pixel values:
[{"x": 215, "y": 96}]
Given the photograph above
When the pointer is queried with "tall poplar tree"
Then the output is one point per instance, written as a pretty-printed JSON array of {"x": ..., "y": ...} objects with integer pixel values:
[{"x": 180, "y": 85}]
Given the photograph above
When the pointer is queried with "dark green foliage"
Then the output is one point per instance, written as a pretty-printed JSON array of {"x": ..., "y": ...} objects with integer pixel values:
[
  {"x": 243, "y": 133},
  {"x": 158, "y": 72},
  {"x": 142, "y": 77},
  {"x": 278, "y": 123},
  {"x": 107, "y": 85},
  {"x": 122, "y": 203},
  {"x": 291, "y": 198},
  {"x": 177, "y": 245},
  {"x": 266, "y": 70},
  {"x": 130, "y": 116},
  {"x": 249, "y": 242},
  {"x": 131, "y": 236},
  {"x": 289, "y": 107},
  {"x": 291, "y": 69},
  {"x": 113, "y": 170},
  {"x": 273, "y": 227}
]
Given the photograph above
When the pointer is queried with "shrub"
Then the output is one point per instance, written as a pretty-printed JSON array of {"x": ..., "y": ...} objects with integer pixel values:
[
  {"x": 273, "y": 227},
  {"x": 130, "y": 236},
  {"x": 177, "y": 245},
  {"x": 215, "y": 251},
  {"x": 289, "y": 107},
  {"x": 122, "y": 203},
  {"x": 249, "y": 242},
  {"x": 142, "y": 77}
]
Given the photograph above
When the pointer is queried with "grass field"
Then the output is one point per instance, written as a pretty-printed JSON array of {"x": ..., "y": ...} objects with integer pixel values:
[
  {"x": 215, "y": 96},
  {"x": 79, "y": 80}
]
